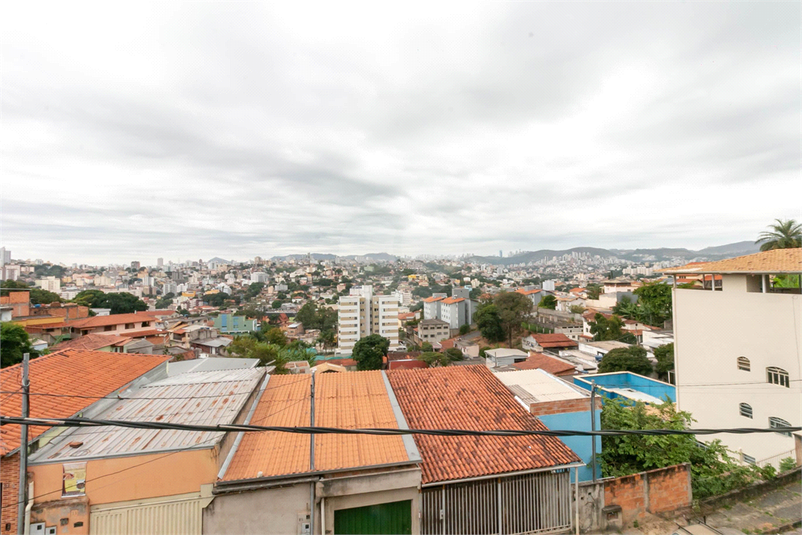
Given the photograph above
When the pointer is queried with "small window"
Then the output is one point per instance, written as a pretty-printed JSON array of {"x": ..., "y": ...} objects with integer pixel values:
[
  {"x": 778, "y": 376},
  {"x": 744, "y": 364},
  {"x": 746, "y": 410},
  {"x": 129, "y": 325},
  {"x": 749, "y": 459},
  {"x": 779, "y": 422}
]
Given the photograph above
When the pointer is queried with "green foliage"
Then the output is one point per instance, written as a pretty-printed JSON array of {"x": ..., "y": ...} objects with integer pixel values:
[
  {"x": 665, "y": 359},
  {"x": 275, "y": 336},
  {"x": 326, "y": 338},
  {"x": 434, "y": 359},
  {"x": 654, "y": 303},
  {"x": 314, "y": 317},
  {"x": 268, "y": 354},
  {"x": 454, "y": 354},
  {"x": 593, "y": 291},
  {"x": 713, "y": 471},
  {"x": 577, "y": 309},
  {"x": 370, "y": 351},
  {"x": 216, "y": 299},
  {"x": 276, "y": 304},
  {"x": 90, "y": 298},
  {"x": 548, "y": 301},
  {"x": 786, "y": 281},
  {"x": 512, "y": 309},
  {"x": 163, "y": 303},
  {"x": 789, "y": 463},
  {"x": 426, "y": 347},
  {"x": 254, "y": 289},
  {"x": 49, "y": 270},
  {"x": 464, "y": 329},
  {"x": 475, "y": 293},
  {"x": 43, "y": 297},
  {"x": 626, "y": 359},
  {"x": 784, "y": 234},
  {"x": 119, "y": 303},
  {"x": 14, "y": 341},
  {"x": 489, "y": 322},
  {"x": 606, "y": 329}
]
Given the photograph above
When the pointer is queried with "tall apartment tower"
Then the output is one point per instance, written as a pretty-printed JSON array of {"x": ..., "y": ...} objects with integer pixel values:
[
  {"x": 362, "y": 314},
  {"x": 160, "y": 262}
]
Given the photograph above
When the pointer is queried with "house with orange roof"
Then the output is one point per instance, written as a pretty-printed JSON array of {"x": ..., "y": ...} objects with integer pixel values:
[
  {"x": 114, "y": 324},
  {"x": 273, "y": 482},
  {"x": 54, "y": 380}
]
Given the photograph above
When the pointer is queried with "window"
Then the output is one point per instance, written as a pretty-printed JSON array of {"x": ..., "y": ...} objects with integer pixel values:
[
  {"x": 746, "y": 410},
  {"x": 749, "y": 459},
  {"x": 779, "y": 422},
  {"x": 778, "y": 376},
  {"x": 744, "y": 364},
  {"x": 129, "y": 325}
]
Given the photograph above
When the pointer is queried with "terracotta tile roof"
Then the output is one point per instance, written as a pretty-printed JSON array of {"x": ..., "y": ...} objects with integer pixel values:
[
  {"x": 539, "y": 361},
  {"x": 402, "y": 355},
  {"x": 448, "y": 344},
  {"x": 90, "y": 342},
  {"x": 114, "y": 319},
  {"x": 452, "y": 300},
  {"x": 775, "y": 261},
  {"x": 577, "y": 290},
  {"x": 554, "y": 340},
  {"x": 157, "y": 313},
  {"x": 88, "y": 373},
  {"x": 354, "y": 400},
  {"x": 406, "y": 364},
  {"x": 433, "y": 299},
  {"x": 285, "y": 402},
  {"x": 527, "y": 292},
  {"x": 470, "y": 397},
  {"x": 347, "y": 400}
]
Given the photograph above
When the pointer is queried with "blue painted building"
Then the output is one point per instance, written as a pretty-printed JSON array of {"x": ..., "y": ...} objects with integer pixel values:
[
  {"x": 231, "y": 324},
  {"x": 559, "y": 405},
  {"x": 628, "y": 385}
]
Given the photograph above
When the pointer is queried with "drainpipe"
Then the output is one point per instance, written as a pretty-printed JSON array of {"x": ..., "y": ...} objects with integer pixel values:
[
  {"x": 28, "y": 507},
  {"x": 312, "y": 458},
  {"x": 576, "y": 493},
  {"x": 322, "y": 515}
]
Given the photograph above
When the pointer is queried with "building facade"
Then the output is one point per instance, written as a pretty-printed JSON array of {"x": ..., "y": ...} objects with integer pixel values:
[{"x": 362, "y": 314}]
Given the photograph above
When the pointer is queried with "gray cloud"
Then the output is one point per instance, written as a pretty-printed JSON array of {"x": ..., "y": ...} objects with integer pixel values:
[{"x": 239, "y": 130}]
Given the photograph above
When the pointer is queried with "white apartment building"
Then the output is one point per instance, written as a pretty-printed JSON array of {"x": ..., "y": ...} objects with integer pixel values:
[
  {"x": 259, "y": 276},
  {"x": 431, "y": 306},
  {"x": 738, "y": 350},
  {"x": 362, "y": 314},
  {"x": 51, "y": 284}
]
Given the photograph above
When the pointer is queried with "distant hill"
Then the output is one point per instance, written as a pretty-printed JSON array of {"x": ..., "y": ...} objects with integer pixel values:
[
  {"x": 732, "y": 249},
  {"x": 370, "y": 257},
  {"x": 218, "y": 260}
]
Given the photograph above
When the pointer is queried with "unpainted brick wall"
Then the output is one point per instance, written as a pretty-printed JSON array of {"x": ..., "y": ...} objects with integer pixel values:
[
  {"x": 9, "y": 477},
  {"x": 656, "y": 491}
]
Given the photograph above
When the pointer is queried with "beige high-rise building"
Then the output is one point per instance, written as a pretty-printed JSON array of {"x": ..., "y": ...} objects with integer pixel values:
[{"x": 362, "y": 314}]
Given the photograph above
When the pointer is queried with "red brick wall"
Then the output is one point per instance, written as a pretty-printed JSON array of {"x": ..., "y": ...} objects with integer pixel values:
[
  {"x": 19, "y": 301},
  {"x": 655, "y": 491},
  {"x": 565, "y": 405},
  {"x": 9, "y": 477}
]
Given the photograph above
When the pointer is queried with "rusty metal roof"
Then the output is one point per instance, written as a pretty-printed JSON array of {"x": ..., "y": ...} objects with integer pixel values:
[{"x": 200, "y": 398}]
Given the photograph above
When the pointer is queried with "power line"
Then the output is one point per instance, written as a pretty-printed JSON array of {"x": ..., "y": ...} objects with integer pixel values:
[{"x": 90, "y": 422}]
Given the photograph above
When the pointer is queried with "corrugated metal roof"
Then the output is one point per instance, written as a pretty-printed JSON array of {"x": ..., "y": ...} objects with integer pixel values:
[
  {"x": 209, "y": 364},
  {"x": 539, "y": 385},
  {"x": 203, "y": 398}
]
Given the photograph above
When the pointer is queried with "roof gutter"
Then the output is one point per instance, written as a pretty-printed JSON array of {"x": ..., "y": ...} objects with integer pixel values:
[
  {"x": 505, "y": 474},
  {"x": 237, "y": 441}
]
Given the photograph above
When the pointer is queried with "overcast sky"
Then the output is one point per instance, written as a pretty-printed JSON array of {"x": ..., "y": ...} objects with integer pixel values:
[{"x": 192, "y": 130}]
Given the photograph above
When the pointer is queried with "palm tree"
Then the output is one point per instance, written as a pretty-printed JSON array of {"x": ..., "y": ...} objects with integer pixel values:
[{"x": 783, "y": 235}]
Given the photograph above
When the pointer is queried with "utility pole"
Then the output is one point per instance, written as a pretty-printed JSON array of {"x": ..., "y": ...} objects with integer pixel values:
[
  {"x": 23, "y": 449},
  {"x": 593, "y": 426}
]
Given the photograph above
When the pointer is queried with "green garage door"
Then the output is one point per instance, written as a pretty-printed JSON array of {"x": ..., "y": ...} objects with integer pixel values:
[{"x": 385, "y": 518}]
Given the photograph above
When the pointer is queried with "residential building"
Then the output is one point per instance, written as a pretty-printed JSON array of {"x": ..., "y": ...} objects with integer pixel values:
[
  {"x": 174, "y": 471},
  {"x": 51, "y": 284},
  {"x": 482, "y": 484},
  {"x": 362, "y": 314},
  {"x": 95, "y": 374},
  {"x": 232, "y": 324},
  {"x": 549, "y": 363},
  {"x": 260, "y": 276},
  {"x": 431, "y": 306},
  {"x": 599, "y": 349},
  {"x": 115, "y": 324},
  {"x": 432, "y": 330},
  {"x": 559, "y": 405},
  {"x": 286, "y": 483},
  {"x": 19, "y": 301},
  {"x": 5, "y": 256},
  {"x": 498, "y": 358},
  {"x": 738, "y": 343},
  {"x": 554, "y": 342},
  {"x": 456, "y": 310}
]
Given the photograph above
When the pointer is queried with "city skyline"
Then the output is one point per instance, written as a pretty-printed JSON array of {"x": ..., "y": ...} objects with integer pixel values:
[{"x": 211, "y": 129}]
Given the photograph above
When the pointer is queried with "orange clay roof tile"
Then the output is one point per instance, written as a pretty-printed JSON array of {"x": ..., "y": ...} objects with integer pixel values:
[
  {"x": 470, "y": 397},
  {"x": 71, "y": 371},
  {"x": 774, "y": 261}
]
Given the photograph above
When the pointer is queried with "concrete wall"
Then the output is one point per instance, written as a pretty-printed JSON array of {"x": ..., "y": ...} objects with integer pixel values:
[
  {"x": 573, "y": 414},
  {"x": 656, "y": 491},
  {"x": 712, "y": 329}
]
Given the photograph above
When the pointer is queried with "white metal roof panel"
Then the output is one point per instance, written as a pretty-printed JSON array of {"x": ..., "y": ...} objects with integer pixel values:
[
  {"x": 202, "y": 398},
  {"x": 540, "y": 385}
]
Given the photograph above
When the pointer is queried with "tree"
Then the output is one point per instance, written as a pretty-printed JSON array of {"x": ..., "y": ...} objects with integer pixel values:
[
  {"x": 654, "y": 303},
  {"x": 275, "y": 336},
  {"x": 784, "y": 234},
  {"x": 464, "y": 329},
  {"x": 254, "y": 289},
  {"x": 123, "y": 303},
  {"x": 163, "y": 302},
  {"x": 593, "y": 291},
  {"x": 14, "y": 342},
  {"x": 326, "y": 338},
  {"x": 626, "y": 359},
  {"x": 426, "y": 347},
  {"x": 217, "y": 299},
  {"x": 665, "y": 360},
  {"x": 512, "y": 308},
  {"x": 454, "y": 354},
  {"x": 606, "y": 329},
  {"x": 276, "y": 304},
  {"x": 370, "y": 351},
  {"x": 43, "y": 297},
  {"x": 250, "y": 348},
  {"x": 90, "y": 298},
  {"x": 577, "y": 309},
  {"x": 548, "y": 301},
  {"x": 434, "y": 359},
  {"x": 489, "y": 322},
  {"x": 713, "y": 471}
]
